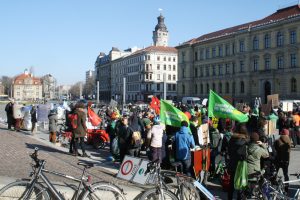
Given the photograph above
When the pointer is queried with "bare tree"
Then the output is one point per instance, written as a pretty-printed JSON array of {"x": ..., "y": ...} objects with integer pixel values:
[
  {"x": 75, "y": 90},
  {"x": 7, "y": 83},
  {"x": 88, "y": 87}
]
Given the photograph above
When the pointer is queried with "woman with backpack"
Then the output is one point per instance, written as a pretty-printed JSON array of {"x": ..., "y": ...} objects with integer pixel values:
[{"x": 237, "y": 151}]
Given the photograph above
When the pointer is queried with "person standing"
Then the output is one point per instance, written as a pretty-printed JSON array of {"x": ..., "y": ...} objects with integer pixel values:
[
  {"x": 283, "y": 149},
  {"x": 9, "y": 114},
  {"x": 194, "y": 129},
  {"x": 124, "y": 134},
  {"x": 155, "y": 136},
  {"x": 33, "y": 118},
  {"x": 52, "y": 125},
  {"x": 184, "y": 142},
  {"x": 81, "y": 129},
  {"x": 18, "y": 115}
]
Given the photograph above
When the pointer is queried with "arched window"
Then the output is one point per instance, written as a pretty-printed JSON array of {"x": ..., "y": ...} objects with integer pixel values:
[
  {"x": 183, "y": 89},
  {"x": 242, "y": 87},
  {"x": 267, "y": 41},
  {"x": 279, "y": 39},
  {"x": 293, "y": 85},
  {"x": 255, "y": 43},
  {"x": 227, "y": 88},
  {"x": 207, "y": 88},
  {"x": 214, "y": 87},
  {"x": 220, "y": 88}
]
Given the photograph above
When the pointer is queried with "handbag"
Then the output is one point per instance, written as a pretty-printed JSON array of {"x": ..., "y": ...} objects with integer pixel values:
[{"x": 241, "y": 176}]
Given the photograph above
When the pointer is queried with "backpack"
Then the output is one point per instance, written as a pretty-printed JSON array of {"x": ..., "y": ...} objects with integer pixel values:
[
  {"x": 73, "y": 120},
  {"x": 136, "y": 139}
]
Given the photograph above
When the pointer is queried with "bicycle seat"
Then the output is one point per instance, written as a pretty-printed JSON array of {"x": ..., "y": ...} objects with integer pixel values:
[
  {"x": 176, "y": 164},
  {"x": 86, "y": 164}
]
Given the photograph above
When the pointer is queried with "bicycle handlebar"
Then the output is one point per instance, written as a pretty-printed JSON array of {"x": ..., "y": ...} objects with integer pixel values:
[
  {"x": 34, "y": 156},
  {"x": 151, "y": 166},
  {"x": 297, "y": 174}
]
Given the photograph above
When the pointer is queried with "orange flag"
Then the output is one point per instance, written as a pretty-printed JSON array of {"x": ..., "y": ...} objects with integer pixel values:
[{"x": 93, "y": 117}]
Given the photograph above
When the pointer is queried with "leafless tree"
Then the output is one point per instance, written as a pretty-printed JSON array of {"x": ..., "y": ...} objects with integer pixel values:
[
  {"x": 75, "y": 90},
  {"x": 7, "y": 83},
  {"x": 88, "y": 87}
]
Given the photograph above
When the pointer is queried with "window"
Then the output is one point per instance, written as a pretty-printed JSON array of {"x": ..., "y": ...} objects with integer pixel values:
[
  {"x": 242, "y": 66},
  {"x": 196, "y": 72},
  {"x": 169, "y": 77},
  {"x": 267, "y": 41},
  {"x": 279, "y": 39},
  {"x": 227, "y": 49},
  {"x": 158, "y": 86},
  {"x": 220, "y": 70},
  {"x": 227, "y": 88},
  {"x": 182, "y": 56},
  {"x": 174, "y": 59},
  {"x": 227, "y": 68},
  {"x": 165, "y": 58},
  {"x": 207, "y": 70},
  {"x": 293, "y": 85},
  {"x": 165, "y": 67},
  {"x": 169, "y": 67},
  {"x": 174, "y": 87},
  {"x": 220, "y": 88},
  {"x": 158, "y": 76},
  {"x": 214, "y": 87},
  {"x": 293, "y": 37},
  {"x": 214, "y": 52},
  {"x": 169, "y": 59},
  {"x": 233, "y": 48},
  {"x": 255, "y": 43},
  {"x": 242, "y": 46},
  {"x": 158, "y": 67},
  {"x": 220, "y": 50},
  {"x": 201, "y": 88},
  {"x": 242, "y": 87},
  {"x": 255, "y": 64},
  {"x": 183, "y": 89},
  {"x": 207, "y": 53},
  {"x": 174, "y": 77},
  {"x": 169, "y": 87},
  {"x": 280, "y": 62},
  {"x": 148, "y": 57},
  {"x": 201, "y": 71},
  {"x": 233, "y": 68},
  {"x": 267, "y": 63},
  {"x": 174, "y": 67},
  {"x": 214, "y": 70},
  {"x": 201, "y": 54},
  {"x": 196, "y": 89},
  {"x": 207, "y": 88},
  {"x": 293, "y": 60},
  {"x": 233, "y": 87},
  {"x": 158, "y": 58},
  {"x": 196, "y": 56},
  {"x": 183, "y": 73}
]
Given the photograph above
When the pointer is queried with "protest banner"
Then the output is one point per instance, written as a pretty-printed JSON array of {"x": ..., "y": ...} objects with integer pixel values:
[{"x": 274, "y": 99}]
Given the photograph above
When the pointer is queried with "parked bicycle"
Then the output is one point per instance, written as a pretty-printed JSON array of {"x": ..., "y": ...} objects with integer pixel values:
[
  {"x": 39, "y": 187},
  {"x": 280, "y": 193},
  {"x": 184, "y": 188}
]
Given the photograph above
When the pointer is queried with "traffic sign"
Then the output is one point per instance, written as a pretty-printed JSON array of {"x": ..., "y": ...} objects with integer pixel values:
[{"x": 129, "y": 167}]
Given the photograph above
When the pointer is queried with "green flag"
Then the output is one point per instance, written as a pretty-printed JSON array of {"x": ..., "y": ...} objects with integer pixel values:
[
  {"x": 169, "y": 115},
  {"x": 218, "y": 107}
]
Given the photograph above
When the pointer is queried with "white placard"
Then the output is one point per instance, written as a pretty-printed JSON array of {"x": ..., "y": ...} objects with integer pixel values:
[
  {"x": 287, "y": 106},
  {"x": 129, "y": 167},
  {"x": 140, "y": 176}
]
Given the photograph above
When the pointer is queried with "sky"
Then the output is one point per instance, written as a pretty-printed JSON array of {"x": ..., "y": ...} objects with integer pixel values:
[{"x": 64, "y": 37}]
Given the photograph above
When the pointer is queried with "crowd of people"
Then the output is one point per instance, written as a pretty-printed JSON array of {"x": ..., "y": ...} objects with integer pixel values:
[{"x": 139, "y": 130}]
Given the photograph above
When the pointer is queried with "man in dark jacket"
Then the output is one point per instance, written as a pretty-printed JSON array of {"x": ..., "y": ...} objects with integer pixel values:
[
  {"x": 33, "y": 118},
  {"x": 283, "y": 149},
  {"x": 9, "y": 114},
  {"x": 81, "y": 129},
  {"x": 194, "y": 130},
  {"x": 124, "y": 134}
]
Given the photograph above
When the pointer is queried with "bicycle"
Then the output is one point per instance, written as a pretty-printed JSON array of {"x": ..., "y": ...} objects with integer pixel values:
[
  {"x": 280, "y": 194},
  {"x": 44, "y": 190},
  {"x": 184, "y": 189}
]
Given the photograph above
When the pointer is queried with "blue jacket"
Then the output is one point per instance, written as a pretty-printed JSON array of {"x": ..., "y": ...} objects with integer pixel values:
[{"x": 184, "y": 141}]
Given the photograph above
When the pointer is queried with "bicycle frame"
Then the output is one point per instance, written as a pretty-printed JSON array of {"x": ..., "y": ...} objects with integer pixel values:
[{"x": 50, "y": 186}]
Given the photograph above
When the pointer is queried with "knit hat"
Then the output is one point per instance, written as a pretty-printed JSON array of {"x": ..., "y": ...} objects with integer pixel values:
[
  {"x": 284, "y": 132},
  {"x": 254, "y": 137}
]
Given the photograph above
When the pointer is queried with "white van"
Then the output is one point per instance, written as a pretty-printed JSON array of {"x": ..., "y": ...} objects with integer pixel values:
[{"x": 192, "y": 101}]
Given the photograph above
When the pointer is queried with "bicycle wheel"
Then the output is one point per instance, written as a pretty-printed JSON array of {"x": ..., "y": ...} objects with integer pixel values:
[
  {"x": 189, "y": 192},
  {"x": 18, "y": 189},
  {"x": 105, "y": 191},
  {"x": 154, "y": 194}
]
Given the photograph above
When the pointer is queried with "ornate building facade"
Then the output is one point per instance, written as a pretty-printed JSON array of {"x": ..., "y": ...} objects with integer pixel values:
[
  {"x": 27, "y": 87},
  {"x": 245, "y": 61}
]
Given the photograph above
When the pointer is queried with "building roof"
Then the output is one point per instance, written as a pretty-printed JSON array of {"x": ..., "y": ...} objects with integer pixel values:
[
  {"x": 19, "y": 80},
  {"x": 157, "y": 49},
  {"x": 160, "y": 24},
  {"x": 279, "y": 15}
]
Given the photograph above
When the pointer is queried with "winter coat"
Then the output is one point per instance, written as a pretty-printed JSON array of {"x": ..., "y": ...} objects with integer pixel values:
[
  {"x": 283, "y": 148},
  {"x": 124, "y": 134},
  {"x": 33, "y": 115},
  {"x": 237, "y": 150},
  {"x": 184, "y": 141},
  {"x": 255, "y": 153},
  {"x": 9, "y": 109},
  {"x": 81, "y": 129},
  {"x": 194, "y": 131},
  {"x": 52, "y": 122},
  {"x": 215, "y": 138}
]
